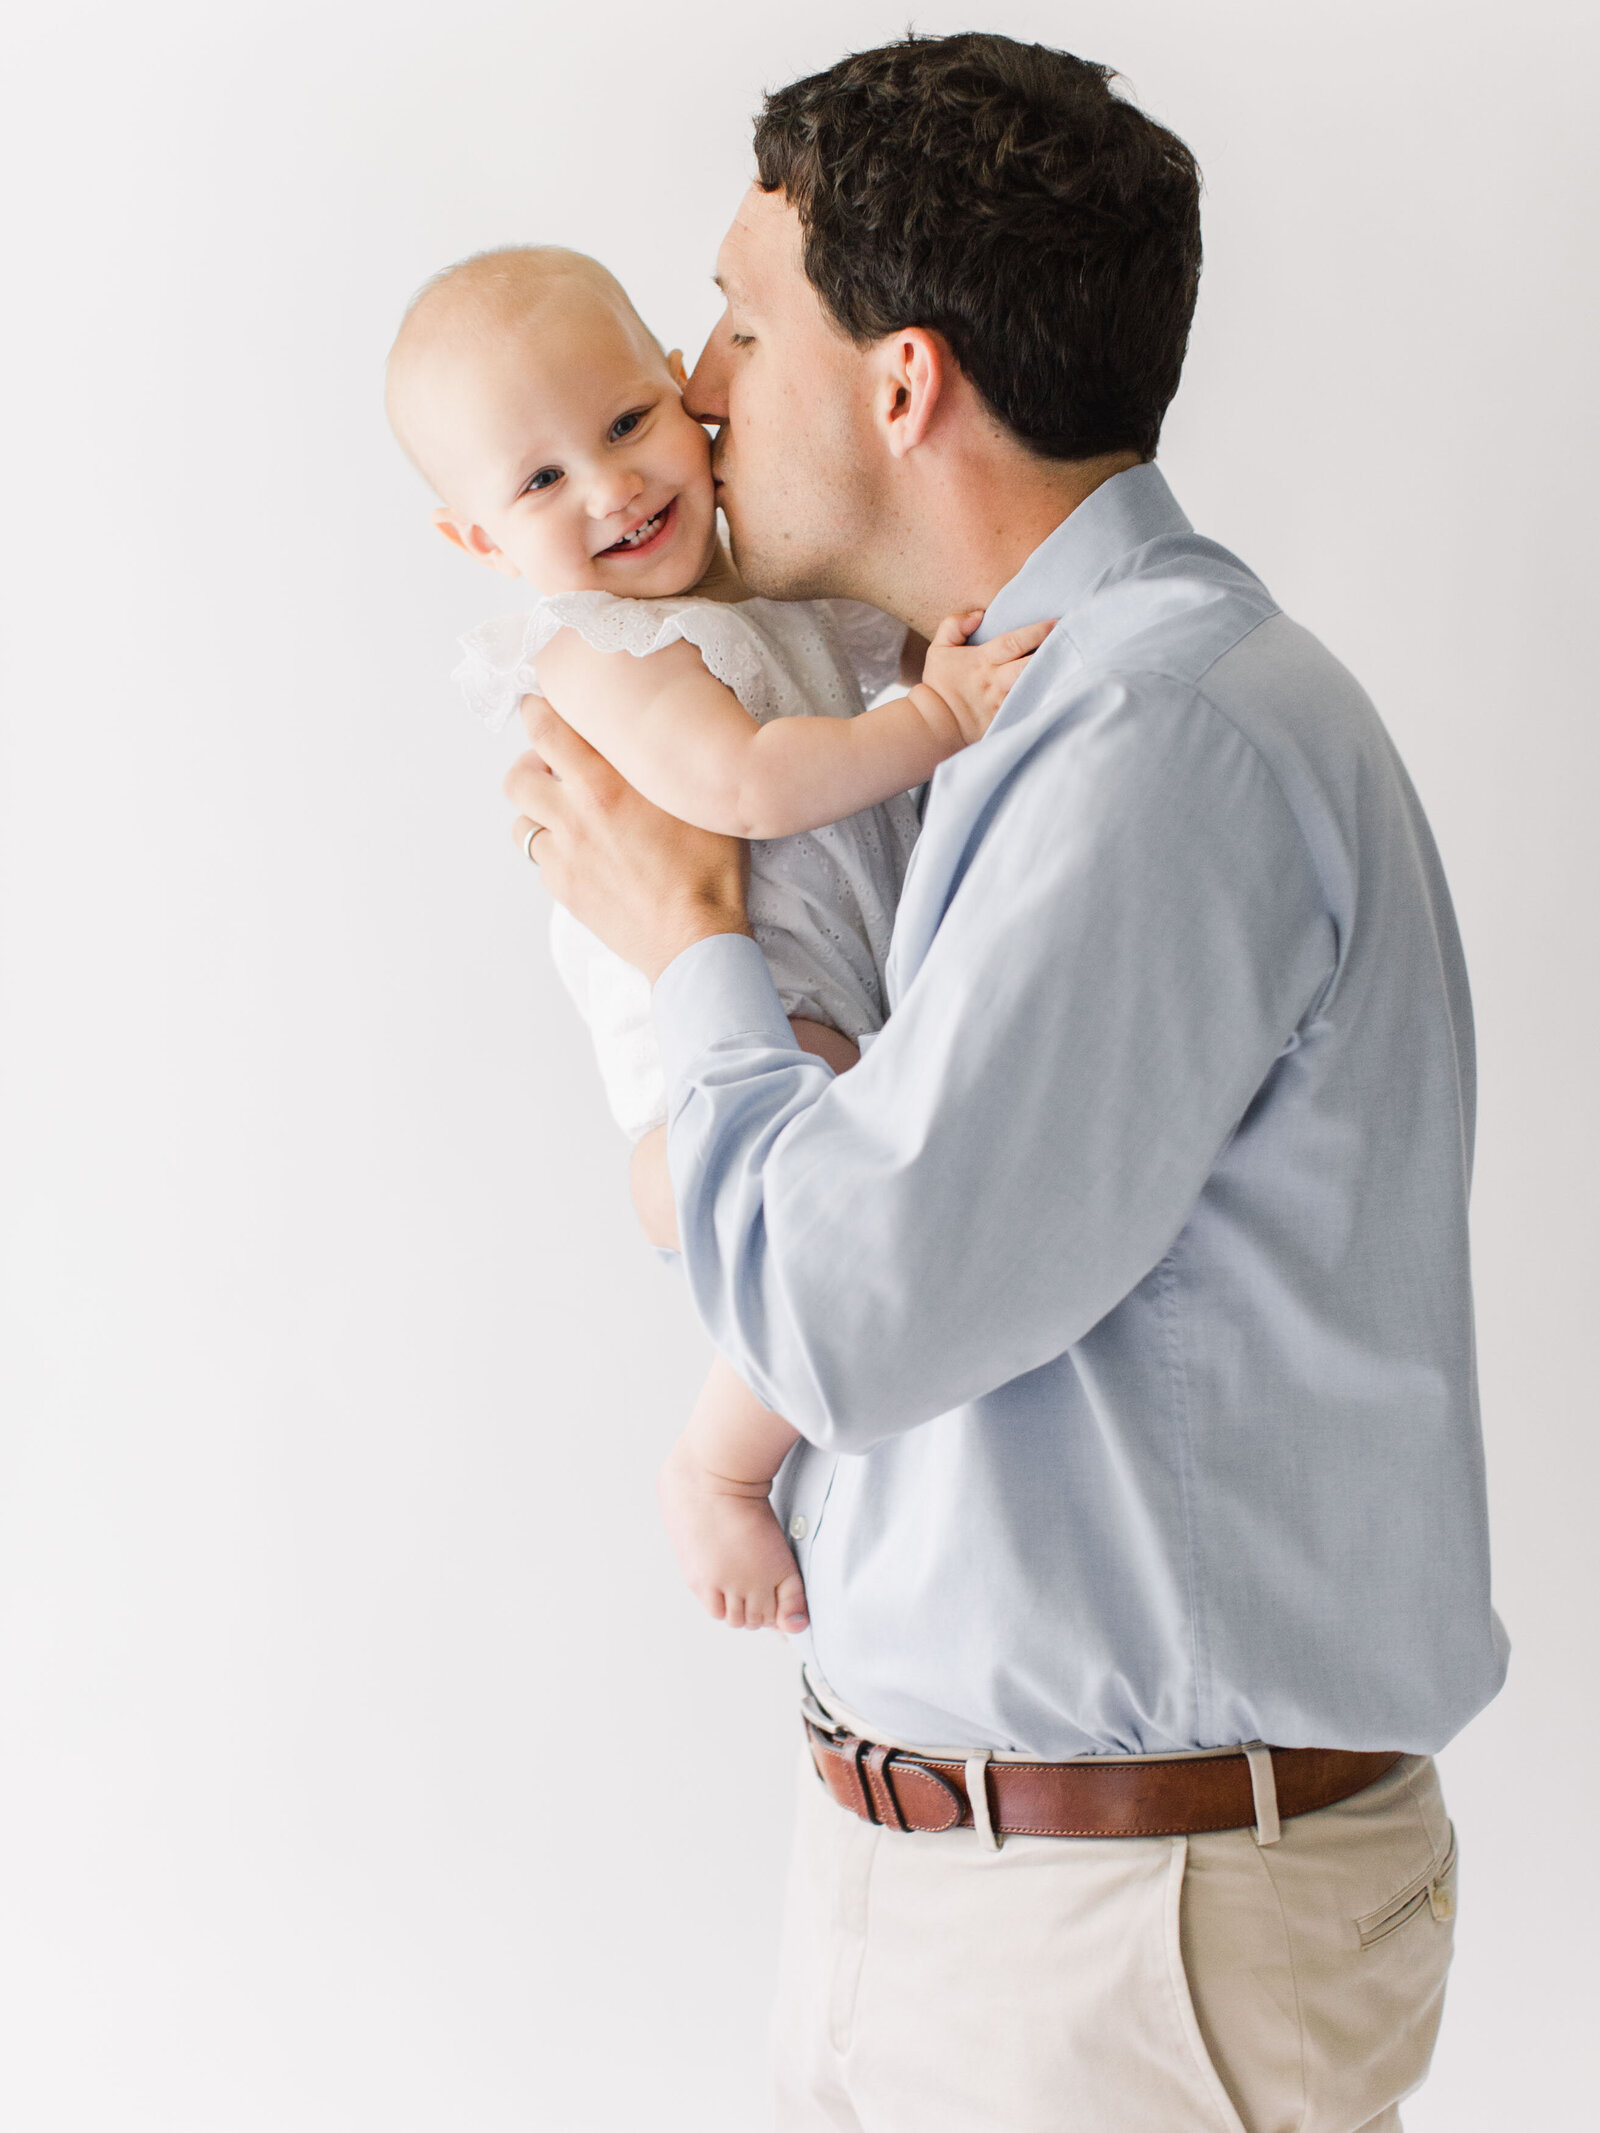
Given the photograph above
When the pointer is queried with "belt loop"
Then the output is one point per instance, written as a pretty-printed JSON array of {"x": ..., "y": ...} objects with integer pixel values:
[
  {"x": 1263, "y": 1791},
  {"x": 978, "y": 1793},
  {"x": 858, "y": 1763}
]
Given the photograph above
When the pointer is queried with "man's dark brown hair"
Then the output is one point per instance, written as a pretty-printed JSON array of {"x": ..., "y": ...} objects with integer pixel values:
[{"x": 1000, "y": 195}]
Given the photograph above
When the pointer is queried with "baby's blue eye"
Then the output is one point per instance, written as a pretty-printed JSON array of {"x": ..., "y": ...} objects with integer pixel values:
[
  {"x": 541, "y": 480},
  {"x": 625, "y": 425}
]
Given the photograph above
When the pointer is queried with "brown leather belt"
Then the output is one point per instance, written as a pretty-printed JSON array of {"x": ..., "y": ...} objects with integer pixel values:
[{"x": 1114, "y": 1798}]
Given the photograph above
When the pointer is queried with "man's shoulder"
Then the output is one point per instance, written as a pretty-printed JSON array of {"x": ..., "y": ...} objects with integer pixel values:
[
  {"x": 1184, "y": 620},
  {"x": 1280, "y": 684},
  {"x": 1162, "y": 630},
  {"x": 1170, "y": 680}
]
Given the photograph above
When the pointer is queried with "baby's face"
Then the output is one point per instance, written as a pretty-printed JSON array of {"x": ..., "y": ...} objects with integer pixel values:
[{"x": 566, "y": 456}]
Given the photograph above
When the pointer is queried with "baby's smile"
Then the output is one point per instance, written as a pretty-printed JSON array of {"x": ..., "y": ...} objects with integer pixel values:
[{"x": 649, "y": 533}]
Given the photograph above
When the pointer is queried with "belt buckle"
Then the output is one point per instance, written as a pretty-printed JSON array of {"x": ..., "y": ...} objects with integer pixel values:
[
  {"x": 873, "y": 1764},
  {"x": 814, "y": 1715},
  {"x": 823, "y": 1732}
]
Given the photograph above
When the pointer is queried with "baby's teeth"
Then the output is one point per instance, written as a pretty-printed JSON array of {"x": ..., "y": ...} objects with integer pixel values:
[{"x": 640, "y": 533}]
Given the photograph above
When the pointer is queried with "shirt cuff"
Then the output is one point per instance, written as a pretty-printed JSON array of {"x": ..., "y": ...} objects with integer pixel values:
[{"x": 719, "y": 988}]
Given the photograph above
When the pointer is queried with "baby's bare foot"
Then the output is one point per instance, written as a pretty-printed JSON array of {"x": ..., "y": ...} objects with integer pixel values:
[{"x": 730, "y": 1548}]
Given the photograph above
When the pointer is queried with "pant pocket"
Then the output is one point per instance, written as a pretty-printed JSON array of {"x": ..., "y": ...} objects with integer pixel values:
[{"x": 1434, "y": 1890}]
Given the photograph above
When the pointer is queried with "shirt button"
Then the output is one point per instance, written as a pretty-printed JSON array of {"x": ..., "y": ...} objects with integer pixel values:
[{"x": 797, "y": 1526}]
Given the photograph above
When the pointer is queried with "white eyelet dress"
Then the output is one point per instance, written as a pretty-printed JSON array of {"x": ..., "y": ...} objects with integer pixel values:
[{"x": 822, "y": 904}]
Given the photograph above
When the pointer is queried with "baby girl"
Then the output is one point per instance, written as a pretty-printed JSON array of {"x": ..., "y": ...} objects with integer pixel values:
[{"x": 527, "y": 390}]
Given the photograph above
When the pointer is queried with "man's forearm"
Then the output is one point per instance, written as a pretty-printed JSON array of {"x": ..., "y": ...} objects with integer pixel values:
[{"x": 1040, "y": 1114}]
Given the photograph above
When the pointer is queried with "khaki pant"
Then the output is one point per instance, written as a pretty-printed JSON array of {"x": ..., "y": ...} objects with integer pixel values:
[{"x": 1116, "y": 1985}]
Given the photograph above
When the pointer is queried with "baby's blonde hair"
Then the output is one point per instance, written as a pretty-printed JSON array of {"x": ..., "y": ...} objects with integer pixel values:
[{"x": 480, "y": 298}]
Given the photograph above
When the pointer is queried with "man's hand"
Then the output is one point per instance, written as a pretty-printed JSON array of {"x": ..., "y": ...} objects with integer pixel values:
[{"x": 647, "y": 884}]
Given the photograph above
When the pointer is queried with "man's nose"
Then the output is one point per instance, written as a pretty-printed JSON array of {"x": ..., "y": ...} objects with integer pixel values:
[{"x": 705, "y": 397}]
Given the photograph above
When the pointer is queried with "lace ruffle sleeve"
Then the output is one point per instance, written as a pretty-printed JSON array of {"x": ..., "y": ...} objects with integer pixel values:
[
  {"x": 499, "y": 663},
  {"x": 500, "y": 658}
]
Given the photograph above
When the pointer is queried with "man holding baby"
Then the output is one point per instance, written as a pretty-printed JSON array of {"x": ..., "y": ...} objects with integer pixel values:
[{"x": 1120, "y": 1294}]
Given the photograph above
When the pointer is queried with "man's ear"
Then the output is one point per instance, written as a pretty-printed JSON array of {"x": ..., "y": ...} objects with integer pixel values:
[
  {"x": 675, "y": 369},
  {"x": 912, "y": 375},
  {"x": 473, "y": 541}
]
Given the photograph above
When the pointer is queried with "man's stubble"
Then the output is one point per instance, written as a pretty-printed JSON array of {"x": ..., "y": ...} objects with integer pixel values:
[{"x": 800, "y": 521}]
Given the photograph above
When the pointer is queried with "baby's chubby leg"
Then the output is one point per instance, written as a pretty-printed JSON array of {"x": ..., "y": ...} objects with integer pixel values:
[
  {"x": 649, "y": 1180},
  {"x": 714, "y": 1489},
  {"x": 715, "y": 1483}
]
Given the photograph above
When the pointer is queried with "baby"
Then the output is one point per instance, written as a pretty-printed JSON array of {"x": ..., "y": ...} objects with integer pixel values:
[{"x": 527, "y": 390}]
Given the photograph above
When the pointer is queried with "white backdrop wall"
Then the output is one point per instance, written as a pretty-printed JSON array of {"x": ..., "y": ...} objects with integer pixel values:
[{"x": 332, "y": 1604}]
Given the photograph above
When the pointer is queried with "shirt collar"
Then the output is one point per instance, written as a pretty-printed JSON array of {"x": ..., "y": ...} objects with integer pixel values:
[{"x": 1123, "y": 514}]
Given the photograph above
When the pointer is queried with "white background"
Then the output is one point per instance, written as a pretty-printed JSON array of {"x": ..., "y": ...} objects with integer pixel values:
[{"x": 333, "y": 1613}]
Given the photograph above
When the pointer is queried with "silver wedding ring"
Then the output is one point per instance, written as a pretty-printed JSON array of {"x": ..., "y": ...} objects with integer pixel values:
[{"x": 537, "y": 830}]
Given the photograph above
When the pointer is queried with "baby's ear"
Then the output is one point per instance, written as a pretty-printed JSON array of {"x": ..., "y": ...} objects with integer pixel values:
[
  {"x": 675, "y": 369},
  {"x": 473, "y": 541}
]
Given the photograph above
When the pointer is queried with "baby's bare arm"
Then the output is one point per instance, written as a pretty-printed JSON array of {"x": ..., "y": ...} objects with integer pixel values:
[
  {"x": 670, "y": 727},
  {"x": 687, "y": 743}
]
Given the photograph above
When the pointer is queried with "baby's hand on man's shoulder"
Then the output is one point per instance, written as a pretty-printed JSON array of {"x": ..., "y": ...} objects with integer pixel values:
[{"x": 975, "y": 679}]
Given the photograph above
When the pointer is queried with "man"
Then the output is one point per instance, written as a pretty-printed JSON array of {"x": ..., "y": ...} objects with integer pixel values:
[{"x": 1121, "y": 1292}]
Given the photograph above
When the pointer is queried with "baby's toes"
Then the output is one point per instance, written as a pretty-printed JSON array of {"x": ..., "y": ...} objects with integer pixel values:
[{"x": 792, "y": 1616}]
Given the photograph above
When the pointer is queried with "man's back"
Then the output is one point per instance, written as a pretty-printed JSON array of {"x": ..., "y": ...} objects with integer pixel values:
[{"x": 1158, "y": 1185}]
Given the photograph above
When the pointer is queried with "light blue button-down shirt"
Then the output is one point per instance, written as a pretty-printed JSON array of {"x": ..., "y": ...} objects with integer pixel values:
[{"x": 1122, "y": 1291}]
